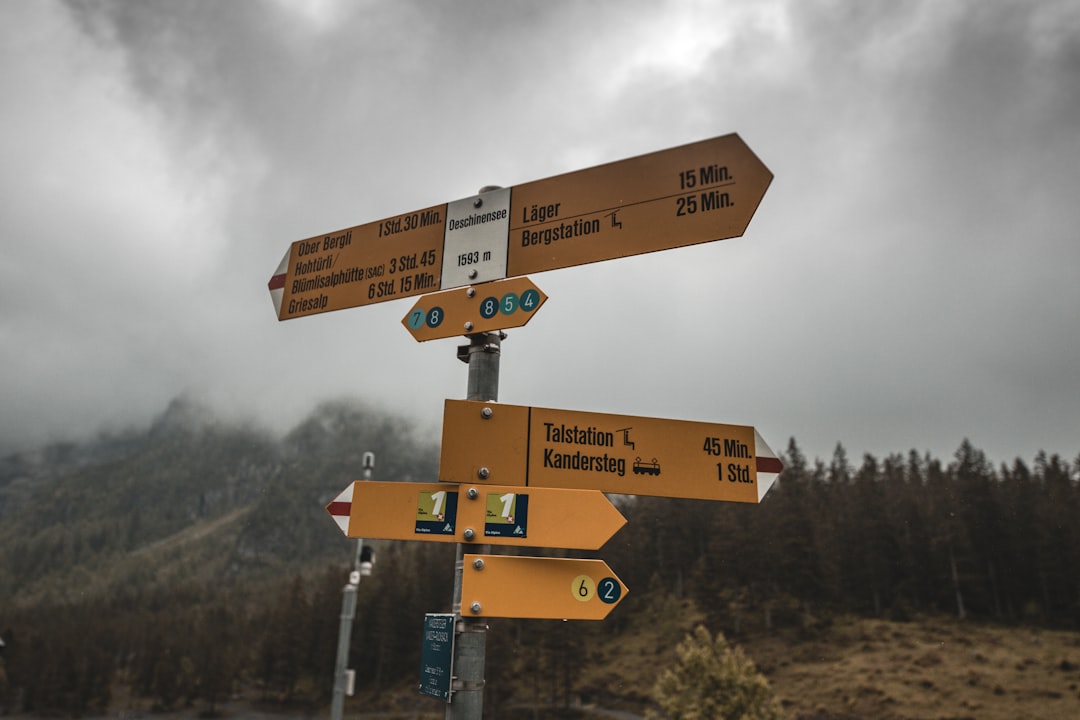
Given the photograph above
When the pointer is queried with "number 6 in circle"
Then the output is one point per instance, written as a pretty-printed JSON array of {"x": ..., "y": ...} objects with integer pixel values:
[{"x": 583, "y": 588}]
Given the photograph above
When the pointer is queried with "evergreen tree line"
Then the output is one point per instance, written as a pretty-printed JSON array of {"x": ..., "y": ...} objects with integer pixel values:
[
  {"x": 892, "y": 537},
  {"x": 199, "y": 645}
]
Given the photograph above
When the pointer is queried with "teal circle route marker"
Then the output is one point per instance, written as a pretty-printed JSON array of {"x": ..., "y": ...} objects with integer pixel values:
[
  {"x": 489, "y": 308},
  {"x": 417, "y": 318},
  {"x": 530, "y": 300},
  {"x": 509, "y": 304}
]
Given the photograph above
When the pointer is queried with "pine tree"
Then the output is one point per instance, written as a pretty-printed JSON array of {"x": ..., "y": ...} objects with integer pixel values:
[
  {"x": 215, "y": 650},
  {"x": 713, "y": 681},
  {"x": 3, "y": 684}
]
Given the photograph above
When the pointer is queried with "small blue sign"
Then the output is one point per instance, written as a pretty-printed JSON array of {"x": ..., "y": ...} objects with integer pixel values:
[{"x": 437, "y": 655}]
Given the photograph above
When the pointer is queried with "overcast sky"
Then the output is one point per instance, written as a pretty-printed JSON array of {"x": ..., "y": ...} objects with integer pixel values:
[{"x": 909, "y": 280}]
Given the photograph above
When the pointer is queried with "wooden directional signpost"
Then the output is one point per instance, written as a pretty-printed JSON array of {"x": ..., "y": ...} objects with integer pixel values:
[
  {"x": 539, "y": 588},
  {"x": 513, "y": 475},
  {"x": 695, "y": 193},
  {"x": 487, "y": 514},
  {"x": 539, "y": 447}
]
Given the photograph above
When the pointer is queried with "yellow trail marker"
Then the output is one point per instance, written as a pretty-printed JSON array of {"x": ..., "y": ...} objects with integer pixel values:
[
  {"x": 540, "y": 447},
  {"x": 489, "y": 515},
  {"x": 538, "y": 588}
]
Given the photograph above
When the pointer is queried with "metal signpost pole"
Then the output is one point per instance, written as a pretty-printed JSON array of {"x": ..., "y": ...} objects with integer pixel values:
[
  {"x": 348, "y": 612},
  {"x": 467, "y": 700}
]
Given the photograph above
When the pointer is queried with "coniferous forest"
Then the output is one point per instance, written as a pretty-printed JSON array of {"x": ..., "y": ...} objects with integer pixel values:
[{"x": 191, "y": 562}]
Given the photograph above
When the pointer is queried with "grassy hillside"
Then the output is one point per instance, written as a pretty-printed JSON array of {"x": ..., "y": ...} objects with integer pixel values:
[
  {"x": 850, "y": 668},
  {"x": 932, "y": 668},
  {"x": 855, "y": 669}
]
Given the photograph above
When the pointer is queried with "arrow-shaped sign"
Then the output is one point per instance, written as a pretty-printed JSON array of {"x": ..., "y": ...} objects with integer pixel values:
[
  {"x": 539, "y": 447},
  {"x": 481, "y": 514},
  {"x": 538, "y": 588},
  {"x": 695, "y": 193},
  {"x": 476, "y": 309}
]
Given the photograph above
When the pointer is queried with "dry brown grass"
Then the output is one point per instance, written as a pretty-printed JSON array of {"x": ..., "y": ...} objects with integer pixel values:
[
  {"x": 858, "y": 669},
  {"x": 928, "y": 669},
  {"x": 852, "y": 669}
]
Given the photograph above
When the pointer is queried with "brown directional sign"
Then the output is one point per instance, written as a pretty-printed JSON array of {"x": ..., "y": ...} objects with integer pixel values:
[
  {"x": 397, "y": 257},
  {"x": 538, "y": 588},
  {"x": 695, "y": 193},
  {"x": 490, "y": 515},
  {"x": 476, "y": 309},
  {"x": 687, "y": 195},
  {"x": 540, "y": 447}
]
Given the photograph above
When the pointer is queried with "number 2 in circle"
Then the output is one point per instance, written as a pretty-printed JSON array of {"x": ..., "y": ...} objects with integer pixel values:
[{"x": 609, "y": 590}]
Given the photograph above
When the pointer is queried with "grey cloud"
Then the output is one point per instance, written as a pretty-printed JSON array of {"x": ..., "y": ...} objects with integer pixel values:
[{"x": 906, "y": 282}]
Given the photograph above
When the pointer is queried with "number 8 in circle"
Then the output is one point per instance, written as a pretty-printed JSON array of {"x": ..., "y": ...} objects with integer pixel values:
[{"x": 489, "y": 307}]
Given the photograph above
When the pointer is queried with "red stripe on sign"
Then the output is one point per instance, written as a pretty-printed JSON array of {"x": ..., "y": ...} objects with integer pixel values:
[
  {"x": 769, "y": 465},
  {"x": 339, "y": 508},
  {"x": 277, "y": 282}
]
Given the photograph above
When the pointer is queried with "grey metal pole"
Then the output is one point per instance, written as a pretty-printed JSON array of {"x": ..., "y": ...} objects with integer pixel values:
[
  {"x": 467, "y": 700},
  {"x": 484, "y": 353},
  {"x": 348, "y": 612}
]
